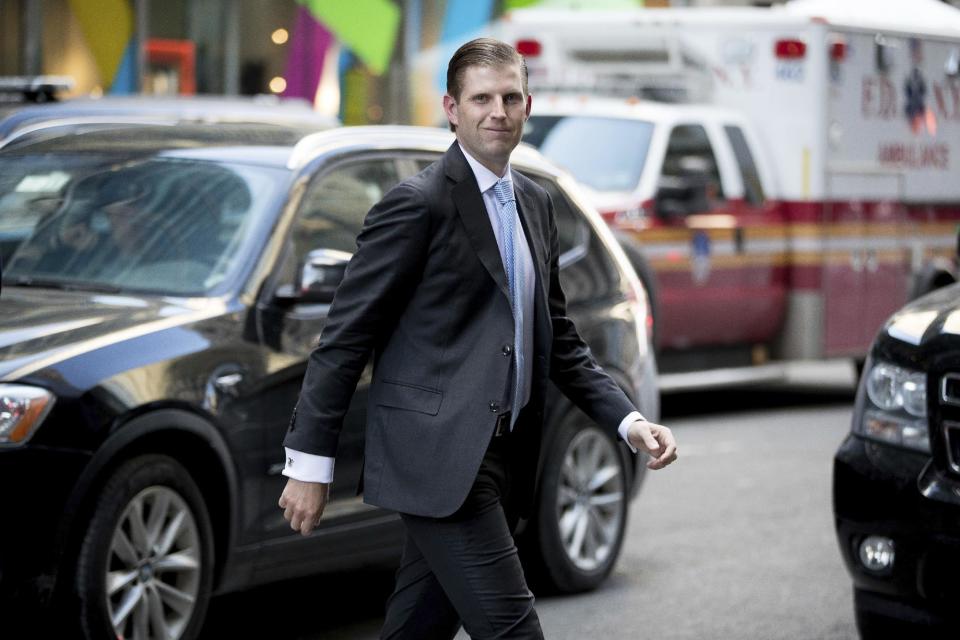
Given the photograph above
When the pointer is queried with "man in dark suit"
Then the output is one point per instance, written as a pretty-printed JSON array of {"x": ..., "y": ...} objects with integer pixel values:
[{"x": 455, "y": 290}]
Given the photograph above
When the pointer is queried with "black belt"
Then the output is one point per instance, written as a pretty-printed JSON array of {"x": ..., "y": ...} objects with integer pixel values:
[{"x": 503, "y": 424}]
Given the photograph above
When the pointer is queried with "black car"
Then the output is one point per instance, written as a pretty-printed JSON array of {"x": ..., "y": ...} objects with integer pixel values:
[
  {"x": 162, "y": 288},
  {"x": 897, "y": 476}
]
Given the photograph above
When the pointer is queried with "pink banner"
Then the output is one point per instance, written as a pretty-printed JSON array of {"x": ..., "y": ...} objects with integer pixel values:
[{"x": 308, "y": 48}]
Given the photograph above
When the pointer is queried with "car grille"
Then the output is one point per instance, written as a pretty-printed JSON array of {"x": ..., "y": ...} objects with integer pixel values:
[
  {"x": 950, "y": 389},
  {"x": 949, "y": 400}
]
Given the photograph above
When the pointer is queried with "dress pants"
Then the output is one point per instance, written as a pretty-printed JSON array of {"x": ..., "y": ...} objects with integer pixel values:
[{"x": 464, "y": 568}]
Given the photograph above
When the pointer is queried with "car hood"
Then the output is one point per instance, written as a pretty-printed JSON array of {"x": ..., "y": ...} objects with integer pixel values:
[
  {"x": 610, "y": 200},
  {"x": 933, "y": 316},
  {"x": 41, "y": 327}
]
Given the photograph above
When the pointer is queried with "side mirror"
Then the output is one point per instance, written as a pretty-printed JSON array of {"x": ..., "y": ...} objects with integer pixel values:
[
  {"x": 684, "y": 190},
  {"x": 680, "y": 196},
  {"x": 318, "y": 279},
  {"x": 321, "y": 274}
]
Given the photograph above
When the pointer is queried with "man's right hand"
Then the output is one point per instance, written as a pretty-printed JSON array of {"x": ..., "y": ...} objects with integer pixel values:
[{"x": 303, "y": 504}]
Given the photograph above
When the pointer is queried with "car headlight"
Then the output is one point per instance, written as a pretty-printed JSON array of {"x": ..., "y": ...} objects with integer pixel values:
[
  {"x": 897, "y": 409},
  {"x": 891, "y": 388},
  {"x": 22, "y": 409}
]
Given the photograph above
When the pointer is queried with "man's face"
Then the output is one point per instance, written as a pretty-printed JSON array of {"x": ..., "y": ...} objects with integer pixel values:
[
  {"x": 124, "y": 217},
  {"x": 490, "y": 113}
]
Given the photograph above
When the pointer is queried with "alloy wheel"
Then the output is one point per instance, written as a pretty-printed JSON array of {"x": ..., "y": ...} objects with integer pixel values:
[
  {"x": 153, "y": 566},
  {"x": 590, "y": 499}
]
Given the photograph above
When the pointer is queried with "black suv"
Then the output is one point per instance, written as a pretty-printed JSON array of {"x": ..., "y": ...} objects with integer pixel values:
[
  {"x": 162, "y": 289},
  {"x": 897, "y": 476}
]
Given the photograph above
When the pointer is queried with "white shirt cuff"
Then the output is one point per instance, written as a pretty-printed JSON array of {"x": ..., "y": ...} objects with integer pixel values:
[
  {"x": 632, "y": 417},
  {"x": 308, "y": 467}
]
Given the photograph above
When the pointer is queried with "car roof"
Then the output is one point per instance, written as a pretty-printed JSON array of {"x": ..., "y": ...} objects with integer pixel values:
[
  {"x": 123, "y": 138},
  {"x": 558, "y": 104},
  {"x": 274, "y": 145},
  {"x": 399, "y": 137},
  {"x": 152, "y": 110}
]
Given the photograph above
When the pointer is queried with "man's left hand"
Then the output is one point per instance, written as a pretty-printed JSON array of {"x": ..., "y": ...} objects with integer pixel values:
[{"x": 657, "y": 440}]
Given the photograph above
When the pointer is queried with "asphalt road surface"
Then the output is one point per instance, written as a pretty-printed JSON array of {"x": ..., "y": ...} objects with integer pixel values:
[{"x": 733, "y": 541}]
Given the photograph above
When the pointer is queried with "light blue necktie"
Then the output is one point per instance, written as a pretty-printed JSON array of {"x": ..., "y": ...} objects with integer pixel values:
[{"x": 507, "y": 212}]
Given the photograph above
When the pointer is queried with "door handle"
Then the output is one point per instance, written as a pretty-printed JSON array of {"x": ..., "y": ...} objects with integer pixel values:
[
  {"x": 227, "y": 383},
  {"x": 224, "y": 381}
]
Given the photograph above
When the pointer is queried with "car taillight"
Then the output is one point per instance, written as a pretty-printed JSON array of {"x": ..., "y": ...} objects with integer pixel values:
[{"x": 634, "y": 295}]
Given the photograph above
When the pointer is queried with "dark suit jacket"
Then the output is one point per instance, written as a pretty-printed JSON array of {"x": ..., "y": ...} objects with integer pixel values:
[{"x": 426, "y": 292}]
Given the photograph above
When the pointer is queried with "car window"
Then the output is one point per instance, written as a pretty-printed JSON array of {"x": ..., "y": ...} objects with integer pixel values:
[
  {"x": 158, "y": 224},
  {"x": 606, "y": 154},
  {"x": 336, "y": 203},
  {"x": 587, "y": 271},
  {"x": 573, "y": 232},
  {"x": 752, "y": 187},
  {"x": 689, "y": 152}
]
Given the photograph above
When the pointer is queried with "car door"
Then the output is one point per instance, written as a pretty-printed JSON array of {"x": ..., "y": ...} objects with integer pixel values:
[
  {"x": 692, "y": 274},
  {"x": 329, "y": 216}
]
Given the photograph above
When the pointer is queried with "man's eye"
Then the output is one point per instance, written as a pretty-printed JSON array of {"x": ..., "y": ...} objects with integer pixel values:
[{"x": 480, "y": 98}]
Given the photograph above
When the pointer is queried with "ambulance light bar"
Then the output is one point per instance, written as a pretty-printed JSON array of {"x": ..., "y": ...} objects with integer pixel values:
[
  {"x": 529, "y": 48},
  {"x": 838, "y": 51},
  {"x": 790, "y": 49}
]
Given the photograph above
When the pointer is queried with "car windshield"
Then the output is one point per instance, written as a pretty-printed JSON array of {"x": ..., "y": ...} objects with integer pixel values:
[
  {"x": 606, "y": 154},
  {"x": 161, "y": 224}
]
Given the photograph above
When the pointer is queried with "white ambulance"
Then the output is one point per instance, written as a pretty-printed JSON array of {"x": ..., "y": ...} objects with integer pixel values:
[{"x": 813, "y": 191}]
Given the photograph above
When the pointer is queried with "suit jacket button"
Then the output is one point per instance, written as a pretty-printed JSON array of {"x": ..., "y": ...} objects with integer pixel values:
[
  {"x": 507, "y": 350},
  {"x": 494, "y": 407}
]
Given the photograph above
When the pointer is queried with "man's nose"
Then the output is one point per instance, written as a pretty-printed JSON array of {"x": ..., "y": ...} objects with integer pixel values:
[{"x": 499, "y": 108}]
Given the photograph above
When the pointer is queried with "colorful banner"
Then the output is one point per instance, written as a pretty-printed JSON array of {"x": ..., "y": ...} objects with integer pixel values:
[
  {"x": 107, "y": 27},
  {"x": 572, "y": 4},
  {"x": 367, "y": 27}
]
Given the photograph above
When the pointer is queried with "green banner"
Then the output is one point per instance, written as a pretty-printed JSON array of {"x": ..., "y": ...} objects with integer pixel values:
[{"x": 367, "y": 27}]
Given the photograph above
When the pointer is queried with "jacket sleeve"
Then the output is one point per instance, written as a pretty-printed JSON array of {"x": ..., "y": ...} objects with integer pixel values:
[
  {"x": 388, "y": 263},
  {"x": 572, "y": 365}
]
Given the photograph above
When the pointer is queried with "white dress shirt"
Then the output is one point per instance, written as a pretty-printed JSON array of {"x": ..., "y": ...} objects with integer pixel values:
[{"x": 313, "y": 468}]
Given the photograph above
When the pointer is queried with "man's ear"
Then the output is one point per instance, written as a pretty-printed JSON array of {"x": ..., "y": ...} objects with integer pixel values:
[
  {"x": 529, "y": 104},
  {"x": 450, "y": 108}
]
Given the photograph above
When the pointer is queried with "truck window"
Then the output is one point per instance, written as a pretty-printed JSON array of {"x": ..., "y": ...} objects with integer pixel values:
[
  {"x": 689, "y": 151},
  {"x": 606, "y": 154},
  {"x": 752, "y": 188}
]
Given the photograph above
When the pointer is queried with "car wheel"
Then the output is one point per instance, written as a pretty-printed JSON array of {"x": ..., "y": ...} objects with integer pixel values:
[
  {"x": 582, "y": 510},
  {"x": 145, "y": 562}
]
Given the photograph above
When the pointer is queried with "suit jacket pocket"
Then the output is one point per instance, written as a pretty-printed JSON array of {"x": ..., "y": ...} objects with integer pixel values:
[{"x": 411, "y": 398}]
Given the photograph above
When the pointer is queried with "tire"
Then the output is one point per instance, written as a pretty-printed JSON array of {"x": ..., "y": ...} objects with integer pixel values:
[
  {"x": 149, "y": 533},
  {"x": 579, "y": 527},
  {"x": 874, "y": 626},
  {"x": 647, "y": 278}
]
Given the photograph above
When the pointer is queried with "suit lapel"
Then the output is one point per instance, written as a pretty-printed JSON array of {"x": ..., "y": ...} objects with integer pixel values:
[
  {"x": 473, "y": 214},
  {"x": 526, "y": 206}
]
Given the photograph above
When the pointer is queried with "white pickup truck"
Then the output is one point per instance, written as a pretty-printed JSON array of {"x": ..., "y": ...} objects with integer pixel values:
[{"x": 692, "y": 198}]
